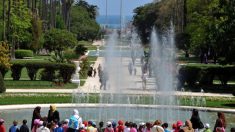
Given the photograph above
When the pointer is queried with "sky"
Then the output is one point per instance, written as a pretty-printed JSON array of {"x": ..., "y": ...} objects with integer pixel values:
[{"x": 114, "y": 6}]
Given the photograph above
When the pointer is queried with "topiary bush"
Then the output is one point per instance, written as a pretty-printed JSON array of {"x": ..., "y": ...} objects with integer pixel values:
[
  {"x": 2, "y": 86},
  {"x": 20, "y": 54},
  {"x": 16, "y": 69},
  {"x": 66, "y": 71},
  {"x": 189, "y": 74}
]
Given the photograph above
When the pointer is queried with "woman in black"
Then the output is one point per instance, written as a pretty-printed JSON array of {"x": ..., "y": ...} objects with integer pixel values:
[
  {"x": 196, "y": 121},
  {"x": 36, "y": 115},
  {"x": 53, "y": 114}
]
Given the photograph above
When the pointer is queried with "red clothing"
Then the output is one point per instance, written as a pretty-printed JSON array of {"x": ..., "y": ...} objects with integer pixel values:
[
  {"x": 120, "y": 128},
  {"x": 2, "y": 128}
]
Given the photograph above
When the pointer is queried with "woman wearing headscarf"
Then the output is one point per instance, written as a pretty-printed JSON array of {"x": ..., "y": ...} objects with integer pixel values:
[
  {"x": 36, "y": 115},
  {"x": 196, "y": 121},
  {"x": 220, "y": 123},
  {"x": 188, "y": 126},
  {"x": 75, "y": 121},
  {"x": 53, "y": 114}
]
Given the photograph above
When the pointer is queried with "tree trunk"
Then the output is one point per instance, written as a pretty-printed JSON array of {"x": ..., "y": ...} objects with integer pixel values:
[
  {"x": 8, "y": 19},
  {"x": 185, "y": 15},
  {"x": 3, "y": 18},
  {"x": 28, "y": 3}
]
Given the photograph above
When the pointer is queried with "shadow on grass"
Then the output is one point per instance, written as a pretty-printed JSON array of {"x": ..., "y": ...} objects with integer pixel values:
[{"x": 229, "y": 105}]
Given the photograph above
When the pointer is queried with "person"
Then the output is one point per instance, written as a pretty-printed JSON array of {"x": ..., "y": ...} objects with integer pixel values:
[
  {"x": 179, "y": 124},
  {"x": 2, "y": 126},
  {"x": 99, "y": 69},
  {"x": 165, "y": 126},
  {"x": 24, "y": 127},
  {"x": 14, "y": 127},
  {"x": 114, "y": 125},
  {"x": 103, "y": 80},
  {"x": 144, "y": 80},
  {"x": 148, "y": 127},
  {"x": 65, "y": 125},
  {"x": 133, "y": 127},
  {"x": 127, "y": 127},
  {"x": 220, "y": 123},
  {"x": 75, "y": 121},
  {"x": 94, "y": 72},
  {"x": 232, "y": 129},
  {"x": 89, "y": 73},
  {"x": 196, "y": 121},
  {"x": 141, "y": 127},
  {"x": 120, "y": 127},
  {"x": 37, "y": 123},
  {"x": 59, "y": 128},
  {"x": 157, "y": 126},
  {"x": 43, "y": 128},
  {"x": 207, "y": 128},
  {"x": 53, "y": 114},
  {"x": 90, "y": 127},
  {"x": 188, "y": 126},
  {"x": 101, "y": 127},
  {"x": 36, "y": 115},
  {"x": 109, "y": 127}
]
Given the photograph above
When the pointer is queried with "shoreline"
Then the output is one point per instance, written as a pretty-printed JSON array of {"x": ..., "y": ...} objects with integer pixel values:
[{"x": 72, "y": 105}]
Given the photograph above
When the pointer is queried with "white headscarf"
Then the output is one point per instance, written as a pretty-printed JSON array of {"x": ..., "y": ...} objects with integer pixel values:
[{"x": 76, "y": 113}]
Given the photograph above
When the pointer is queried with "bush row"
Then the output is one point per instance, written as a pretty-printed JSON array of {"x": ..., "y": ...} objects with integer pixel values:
[
  {"x": 48, "y": 73},
  {"x": 20, "y": 54},
  {"x": 205, "y": 74}
]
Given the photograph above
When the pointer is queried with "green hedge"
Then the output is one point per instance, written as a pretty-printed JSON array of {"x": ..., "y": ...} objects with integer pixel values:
[
  {"x": 48, "y": 70},
  {"x": 3, "y": 70},
  {"x": 20, "y": 54},
  {"x": 2, "y": 86},
  {"x": 205, "y": 74}
]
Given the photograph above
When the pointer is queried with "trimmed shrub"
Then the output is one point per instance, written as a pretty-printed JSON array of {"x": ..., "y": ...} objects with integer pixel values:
[
  {"x": 70, "y": 54},
  {"x": 16, "y": 69},
  {"x": 20, "y": 54},
  {"x": 47, "y": 75},
  {"x": 66, "y": 71},
  {"x": 189, "y": 74},
  {"x": 3, "y": 70},
  {"x": 2, "y": 86},
  {"x": 32, "y": 69}
]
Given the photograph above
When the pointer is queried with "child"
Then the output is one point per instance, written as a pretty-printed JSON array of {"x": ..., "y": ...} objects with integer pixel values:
[
  {"x": 207, "y": 128},
  {"x": 14, "y": 127}
]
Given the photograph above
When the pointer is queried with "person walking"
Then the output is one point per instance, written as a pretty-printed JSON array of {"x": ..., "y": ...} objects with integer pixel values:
[{"x": 24, "y": 127}]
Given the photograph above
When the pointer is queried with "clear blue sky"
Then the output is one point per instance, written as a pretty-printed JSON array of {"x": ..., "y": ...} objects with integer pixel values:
[{"x": 114, "y": 6}]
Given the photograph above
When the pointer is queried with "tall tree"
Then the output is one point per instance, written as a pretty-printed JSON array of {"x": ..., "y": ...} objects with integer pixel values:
[
  {"x": 3, "y": 19},
  {"x": 20, "y": 23}
]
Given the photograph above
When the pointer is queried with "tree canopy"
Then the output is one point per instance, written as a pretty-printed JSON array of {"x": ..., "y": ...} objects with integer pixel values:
[{"x": 202, "y": 26}]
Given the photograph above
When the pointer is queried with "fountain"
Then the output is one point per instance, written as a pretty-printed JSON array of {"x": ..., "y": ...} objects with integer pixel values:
[{"x": 125, "y": 91}]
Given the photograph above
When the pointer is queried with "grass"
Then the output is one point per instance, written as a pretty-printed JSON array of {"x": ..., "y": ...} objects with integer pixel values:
[
  {"x": 37, "y": 98},
  {"x": 27, "y": 84}
]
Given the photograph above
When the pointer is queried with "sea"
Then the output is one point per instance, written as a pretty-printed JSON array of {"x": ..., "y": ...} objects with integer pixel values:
[{"x": 113, "y": 21}]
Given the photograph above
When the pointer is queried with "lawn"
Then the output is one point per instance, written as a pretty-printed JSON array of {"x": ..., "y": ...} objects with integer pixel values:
[
  {"x": 31, "y": 98},
  {"x": 27, "y": 84}
]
